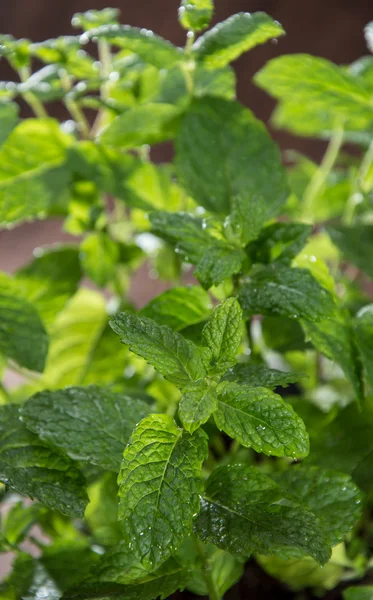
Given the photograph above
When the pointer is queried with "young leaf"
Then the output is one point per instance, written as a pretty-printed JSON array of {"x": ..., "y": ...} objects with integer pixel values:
[
  {"x": 35, "y": 470},
  {"x": 99, "y": 256},
  {"x": 33, "y": 177},
  {"x": 331, "y": 496},
  {"x": 195, "y": 15},
  {"x": 22, "y": 334},
  {"x": 90, "y": 424},
  {"x": 239, "y": 33},
  {"x": 257, "y": 375},
  {"x": 91, "y": 19},
  {"x": 153, "y": 49},
  {"x": 356, "y": 244},
  {"x": 293, "y": 293},
  {"x": 179, "y": 307},
  {"x": 223, "y": 334},
  {"x": 219, "y": 262},
  {"x": 257, "y": 418},
  {"x": 363, "y": 327},
  {"x": 197, "y": 403},
  {"x": 252, "y": 185},
  {"x": 279, "y": 242},
  {"x": 241, "y": 512},
  {"x": 176, "y": 358},
  {"x": 159, "y": 486}
]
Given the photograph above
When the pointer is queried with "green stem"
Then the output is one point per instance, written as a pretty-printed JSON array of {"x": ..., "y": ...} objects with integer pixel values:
[
  {"x": 318, "y": 180},
  {"x": 366, "y": 163},
  {"x": 79, "y": 117},
  {"x": 213, "y": 591},
  {"x": 104, "y": 55},
  {"x": 33, "y": 102}
]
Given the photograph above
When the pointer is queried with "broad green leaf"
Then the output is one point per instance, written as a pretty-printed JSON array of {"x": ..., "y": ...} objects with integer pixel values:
[
  {"x": 197, "y": 403},
  {"x": 99, "y": 255},
  {"x": 90, "y": 424},
  {"x": 22, "y": 334},
  {"x": 239, "y": 33},
  {"x": 176, "y": 358},
  {"x": 91, "y": 19},
  {"x": 195, "y": 15},
  {"x": 333, "y": 337},
  {"x": 50, "y": 280},
  {"x": 257, "y": 418},
  {"x": 315, "y": 82},
  {"x": 35, "y": 470},
  {"x": 252, "y": 185},
  {"x": 363, "y": 327},
  {"x": 279, "y": 242},
  {"x": 257, "y": 375},
  {"x": 361, "y": 592},
  {"x": 280, "y": 290},
  {"x": 33, "y": 178},
  {"x": 241, "y": 512},
  {"x": 356, "y": 244},
  {"x": 144, "y": 124},
  {"x": 8, "y": 119},
  {"x": 153, "y": 49},
  {"x": 223, "y": 335},
  {"x": 168, "y": 578},
  {"x": 179, "y": 307},
  {"x": 159, "y": 487},
  {"x": 219, "y": 262}
]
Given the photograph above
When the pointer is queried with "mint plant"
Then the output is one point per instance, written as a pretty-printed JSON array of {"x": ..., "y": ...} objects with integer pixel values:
[{"x": 227, "y": 420}]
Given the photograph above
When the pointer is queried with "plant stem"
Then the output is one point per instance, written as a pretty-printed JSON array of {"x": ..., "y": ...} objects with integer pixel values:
[
  {"x": 213, "y": 591},
  {"x": 33, "y": 102},
  {"x": 318, "y": 180},
  {"x": 79, "y": 117},
  {"x": 365, "y": 166},
  {"x": 104, "y": 54},
  {"x": 358, "y": 186}
]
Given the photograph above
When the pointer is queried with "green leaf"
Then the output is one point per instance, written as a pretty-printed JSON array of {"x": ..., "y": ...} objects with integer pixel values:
[
  {"x": 29, "y": 579},
  {"x": 223, "y": 334},
  {"x": 361, "y": 592},
  {"x": 239, "y": 33},
  {"x": 33, "y": 178},
  {"x": 179, "y": 307},
  {"x": 316, "y": 82},
  {"x": 184, "y": 231},
  {"x": 159, "y": 486},
  {"x": 331, "y": 496},
  {"x": 197, "y": 403},
  {"x": 50, "y": 280},
  {"x": 257, "y": 375},
  {"x": 22, "y": 334},
  {"x": 195, "y": 15},
  {"x": 363, "y": 327},
  {"x": 151, "y": 48},
  {"x": 99, "y": 256},
  {"x": 95, "y": 18},
  {"x": 356, "y": 244},
  {"x": 279, "y": 242},
  {"x": 333, "y": 337},
  {"x": 144, "y": 124},
  {"x": 257, "y": 418},
  {"x": 90, "y": 424},
  {"x": 19, "y": 521},
  {"x": 241, "y": 512},
  {"x": 252, "y": 185},
  {"x": 219, "y": 262},
  {"x": 68, "y": 562},
  {"x": 160, "y": 584},
  {"x": 176, "y": 358},
  {"x": 280, "y": 290},
  {"x": 35, "y": 470},
  {"x": 8, "y": 119}
]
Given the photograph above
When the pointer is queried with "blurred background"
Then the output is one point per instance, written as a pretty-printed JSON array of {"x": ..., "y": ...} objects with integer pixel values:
[{"x": 332, "y": 29}]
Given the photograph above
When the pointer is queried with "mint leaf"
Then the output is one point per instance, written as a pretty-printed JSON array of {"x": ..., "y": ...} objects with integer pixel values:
[
  {"x": 361, "y": 592},
  {"x": 176, "y": 358},
  {"x": 363, "y": 327},
  {"x": 331, "y": 496},
  {"x": 35, "y": 470},
  {"x": 195, "y": 14},
  {"x": 33, "y": 178},
  {"x": 99, "y": 256},
  {"x": 159, "y": 486},
  {"x": 8, "y": 119},
  {"x": 279, "y": 242},
  {"x": 22, "y": 334},
  {"x": 257, "y": 418},
  {"x": 257, "y": 375},
  {"x": 219, "y": 262},
  {"x": 197, "y": 403},
  {"x": 91, "y": 19},
  {"x": 355, "y": 243},
  {"x": 239, "y": 33},
  {"x": 151, "y": 48},
  {"x": 144, "y": 124},
  {"x": 179, "y": 307},
  {"x": 241, "y": 512},
  {"x": 223, "y": 334},
  {"x": 252, "y": 185},
  {"x": 89, "y": 424},
  {"x": 29, "y": 579},
  {"x": 280, "y": 290}
]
